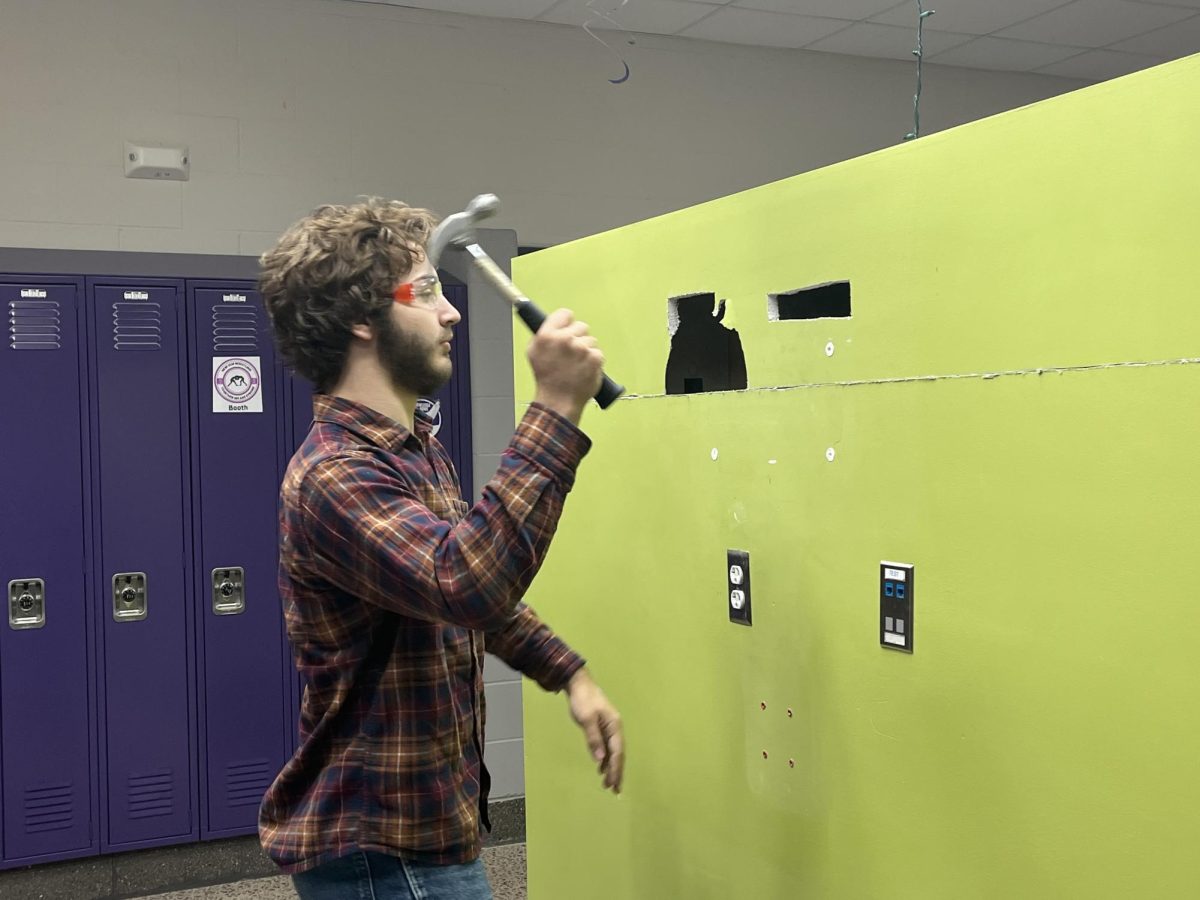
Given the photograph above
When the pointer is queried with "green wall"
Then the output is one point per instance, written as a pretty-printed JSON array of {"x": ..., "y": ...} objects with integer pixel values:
[{"x": 1014, "y": 409}]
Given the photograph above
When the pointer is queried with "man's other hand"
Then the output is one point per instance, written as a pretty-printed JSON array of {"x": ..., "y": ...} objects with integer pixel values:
[{"x": 601, "y": 725}]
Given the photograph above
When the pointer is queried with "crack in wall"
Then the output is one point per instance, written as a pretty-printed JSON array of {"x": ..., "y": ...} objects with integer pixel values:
[{"x": 963, "y": 376}]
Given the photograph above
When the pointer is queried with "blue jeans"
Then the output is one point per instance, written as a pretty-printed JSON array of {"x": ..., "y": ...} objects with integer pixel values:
[{"x": 376, "y": 876}]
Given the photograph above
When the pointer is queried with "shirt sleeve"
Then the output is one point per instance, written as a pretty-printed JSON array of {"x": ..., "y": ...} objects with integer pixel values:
[
  {"x": 368, "y": 531},
  {"x": 527, "y": 644}
]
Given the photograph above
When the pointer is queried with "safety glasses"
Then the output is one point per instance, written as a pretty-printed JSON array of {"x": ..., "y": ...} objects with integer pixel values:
[{"x": 424, "y": 292}]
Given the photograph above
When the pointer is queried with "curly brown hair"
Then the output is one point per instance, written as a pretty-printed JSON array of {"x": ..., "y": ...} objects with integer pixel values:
[{"x": 334, "y": 269}]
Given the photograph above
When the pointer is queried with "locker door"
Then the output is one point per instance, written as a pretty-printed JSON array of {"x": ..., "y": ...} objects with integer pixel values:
[
  {"x": 451, "y": 406},
  {"x": 139, "y": 442},
  {"x": 235, "y": 489},
  {"x": 46, "y": 702},
  {"x": 299, "y": 404}
]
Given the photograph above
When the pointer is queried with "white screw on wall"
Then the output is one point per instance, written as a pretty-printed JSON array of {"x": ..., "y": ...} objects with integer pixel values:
[
  {"x": 715, "y": 454},
  {"x": 830, "y": 454},
  {"x": 829, "y": 348}
]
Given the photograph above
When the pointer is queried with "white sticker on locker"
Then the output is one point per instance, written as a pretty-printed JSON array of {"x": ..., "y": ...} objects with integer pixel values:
[
  {"x": 237, "y": 384},
  {"x": 895, "y": 574},
  {"x": 433, "y": 409}
]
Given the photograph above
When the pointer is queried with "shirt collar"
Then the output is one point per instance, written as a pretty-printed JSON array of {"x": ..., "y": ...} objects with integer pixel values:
[{"x": 368, "y": 424}]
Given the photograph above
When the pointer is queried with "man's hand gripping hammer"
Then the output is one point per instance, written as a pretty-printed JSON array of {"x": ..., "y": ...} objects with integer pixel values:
[{"x": 458, "y": 231}]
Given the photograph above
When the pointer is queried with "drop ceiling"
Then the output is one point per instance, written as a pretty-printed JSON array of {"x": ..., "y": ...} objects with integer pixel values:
[{"x": 1091, "y": 40}]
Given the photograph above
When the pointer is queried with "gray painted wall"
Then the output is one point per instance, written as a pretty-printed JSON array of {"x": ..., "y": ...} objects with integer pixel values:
[{"x": 493, "y": 418}]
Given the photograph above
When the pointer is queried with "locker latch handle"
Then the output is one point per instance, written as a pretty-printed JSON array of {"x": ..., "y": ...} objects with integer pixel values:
[
  {"x": 26, "y": 603},
  {"x": 228, "y": 591},
  {"x": 130, "y": 597}
]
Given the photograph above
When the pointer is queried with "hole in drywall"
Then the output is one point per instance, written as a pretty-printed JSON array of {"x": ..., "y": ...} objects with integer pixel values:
[
  {"x": 822, "y": 301},
  {"x": 706, "y": 356}
]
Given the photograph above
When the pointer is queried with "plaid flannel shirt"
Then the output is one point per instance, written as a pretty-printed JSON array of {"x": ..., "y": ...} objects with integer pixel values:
[{"x": 392, "y": 590}]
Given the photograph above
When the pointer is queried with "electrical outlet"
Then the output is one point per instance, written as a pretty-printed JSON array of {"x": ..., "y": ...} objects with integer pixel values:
[
  {"x": 737, "y": 586},
  {"x": 896, "y": 606}
]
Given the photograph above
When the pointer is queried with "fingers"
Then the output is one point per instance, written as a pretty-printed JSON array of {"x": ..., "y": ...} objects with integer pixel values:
[
  {"x": 564, "y": 320},
  {"x": 614, "y": 768},
  {"x": 610, "y": 753},
  {"x": 591, "y": 347},
  {"x": 567, "y": 364},
  {"x": 595, "y": 740},
  {"x": 602, "y": 729},
  {"x": 560, "y": 318}
]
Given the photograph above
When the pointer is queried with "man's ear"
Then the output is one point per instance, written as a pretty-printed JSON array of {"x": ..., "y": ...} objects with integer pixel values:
[{"x": 363, "y": 332}]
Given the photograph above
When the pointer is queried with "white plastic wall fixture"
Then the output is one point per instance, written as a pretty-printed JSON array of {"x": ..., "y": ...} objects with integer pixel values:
[{"x": 167, "y": 163}]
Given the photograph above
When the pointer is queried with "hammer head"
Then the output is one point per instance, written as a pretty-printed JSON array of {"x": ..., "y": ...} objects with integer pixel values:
[{"x": 458, "y": 230}]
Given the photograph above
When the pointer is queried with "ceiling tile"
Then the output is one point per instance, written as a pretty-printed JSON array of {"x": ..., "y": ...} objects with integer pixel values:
[
  {"x": 1045, "y": 35},
  {"x": 887, "y": 41},
  {"x": 1095, "y": 23},
  {"x": 1100, "y": 65},
  {"x": 834, "y": 9},
  {"x": 647, "y": 16},
  {"x": 1003, "y": 55},
  {"x": 1172, "y": 42},
  {"x": 767, "y": 29},
  {"x": 497, "y": 9},
  {"x": 969, "y": 16}
]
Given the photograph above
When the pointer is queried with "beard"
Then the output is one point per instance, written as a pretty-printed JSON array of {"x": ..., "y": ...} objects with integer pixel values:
[{"x": 411, "y": 364}]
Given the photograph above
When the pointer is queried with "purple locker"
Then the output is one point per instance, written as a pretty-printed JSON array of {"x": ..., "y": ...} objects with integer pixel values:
[
  {"x": 244, "y": 683},
  {"x": 47, "y": 705},
  {"x": 299, "y": 421},
  {"x": 451, "y": 406},
  {"x": 301, "y": 418},
  {"x": 146, "y": 665}
]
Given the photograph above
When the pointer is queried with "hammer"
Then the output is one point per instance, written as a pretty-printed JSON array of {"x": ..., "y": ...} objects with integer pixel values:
[{"x": 458, "y": 231}]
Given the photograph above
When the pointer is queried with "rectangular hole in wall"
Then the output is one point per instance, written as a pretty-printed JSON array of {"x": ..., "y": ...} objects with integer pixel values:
[
  {"x": 705, "y": 356},
  {"x": 822, "y": 301}
]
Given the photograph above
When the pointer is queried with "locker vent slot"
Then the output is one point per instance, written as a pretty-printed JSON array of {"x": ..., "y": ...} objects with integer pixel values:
[
  {"x": 151, "y": 795},
  {"x": 246, "y": 782},
  {"x": 50, "y": 808},
  {"x": 137, "y": 326},
  {"x": 34, "y": 325},
  {"x": 235, "y": 329}
]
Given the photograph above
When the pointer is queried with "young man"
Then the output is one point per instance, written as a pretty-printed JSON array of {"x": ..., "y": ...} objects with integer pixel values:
[{"x": 392, "y": 587}]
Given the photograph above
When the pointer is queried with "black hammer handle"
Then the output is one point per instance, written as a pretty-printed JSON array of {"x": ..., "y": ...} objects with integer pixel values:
[{"x": 531, "y": 315}]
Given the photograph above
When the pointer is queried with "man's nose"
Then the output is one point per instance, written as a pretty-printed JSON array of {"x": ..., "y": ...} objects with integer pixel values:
[{"x": 450, "y": 315}]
